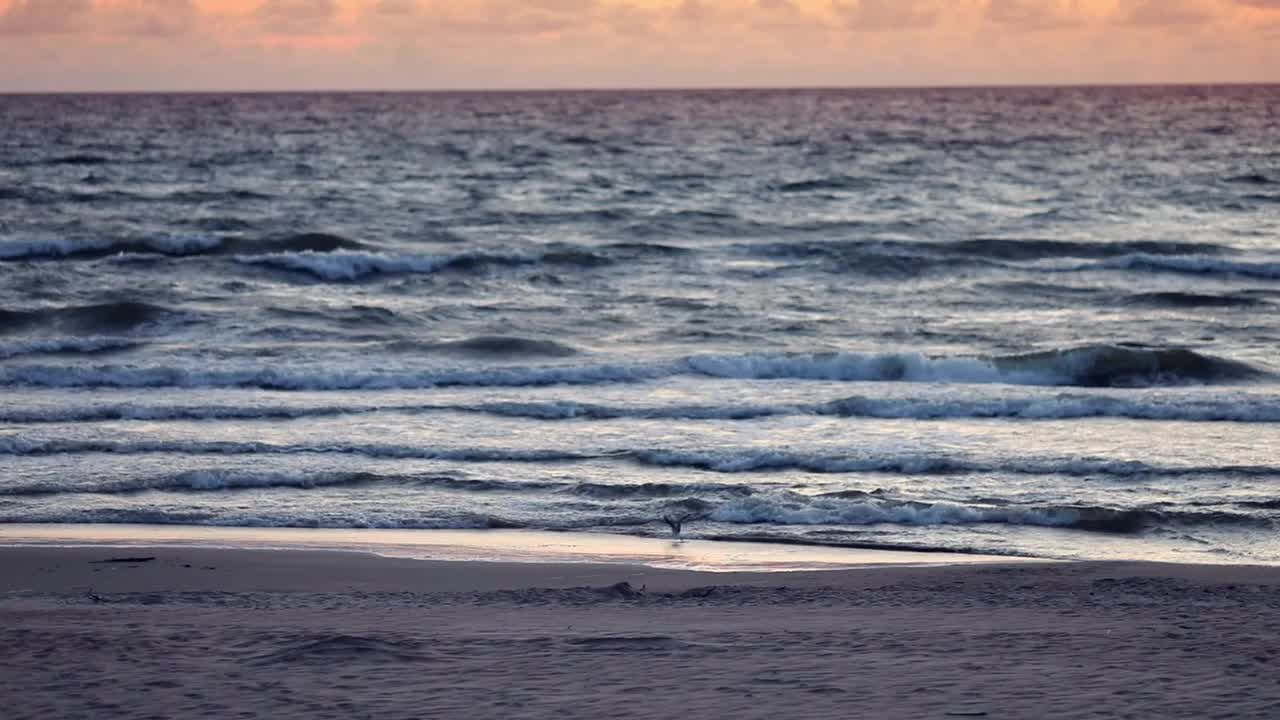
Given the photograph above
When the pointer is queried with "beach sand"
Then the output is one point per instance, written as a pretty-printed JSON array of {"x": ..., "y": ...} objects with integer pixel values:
[{"x": 238, "y": 633}]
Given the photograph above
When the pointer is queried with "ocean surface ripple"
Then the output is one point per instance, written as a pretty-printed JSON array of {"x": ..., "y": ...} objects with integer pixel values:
[{"x": 1022, "y": 321}]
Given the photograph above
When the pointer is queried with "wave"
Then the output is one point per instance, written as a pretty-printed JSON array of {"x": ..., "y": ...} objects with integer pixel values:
[
  {"x": 1253, "y": 179},
  {"x": 350, "y": 266},
  {"x": 258, "y": 518},
  {"x": 835, "y": 183},
  {"x": 1090, "y": 366},
  {"x": 211, "y": 196},
  {"x": 651, "y": 490},
  {"x": 778, "y": 510},
  {"x": 216, "y": 480},
  {"x": 646, "y": 248},
  {"x": 751, "y": 461},
  {"x": 21, "y": 446},
  {"x": 505, "y": 346},
  {"x": 301, "y": 242},
  {"x": 62, "y": 346},
  {"x": 987, "y": 249},
  {"x": 74, "y": 159},
  {"x": 1237, "y": 408},
  {"x": 801, "y": 510},
  {"x": 126, "y": 411},
  {"x": 361, "y": 316},
  {"x": 176, "y": 246},
  {"x": 1117, "y": 365},
  {"x": 347, "y": 266},
  {"x": 103, "y": 247},
  {"x": 111, "y": 317},
  {"x": 1177, "y": 299},
  {"x": 195, "y": 480},
  {"x": 727, "y": 461},
  {"x": 1039, "y": 249},
  {"x": 830, "y": 511},
  {"x": 287, "y": 379},
  {"x": 1189, "y": 265}
]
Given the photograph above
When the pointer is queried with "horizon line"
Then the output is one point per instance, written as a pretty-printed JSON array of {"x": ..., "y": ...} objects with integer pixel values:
[{"x": 651, "y": 88}]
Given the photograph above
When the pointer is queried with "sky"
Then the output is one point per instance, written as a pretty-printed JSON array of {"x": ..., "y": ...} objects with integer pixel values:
[{"x": 119, "y": 45}]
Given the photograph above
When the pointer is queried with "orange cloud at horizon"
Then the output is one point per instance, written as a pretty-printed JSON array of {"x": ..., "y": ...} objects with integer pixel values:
[{"x": 376, "y": 44}]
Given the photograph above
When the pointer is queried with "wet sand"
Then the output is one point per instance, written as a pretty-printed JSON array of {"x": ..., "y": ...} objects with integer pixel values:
[{"x": 218, "y": 633}]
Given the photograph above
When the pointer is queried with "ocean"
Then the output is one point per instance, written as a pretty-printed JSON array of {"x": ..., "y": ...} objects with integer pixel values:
[{"x": 1035, "y": 321}]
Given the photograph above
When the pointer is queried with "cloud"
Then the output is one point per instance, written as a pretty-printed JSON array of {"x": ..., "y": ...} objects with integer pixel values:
[
  {"x": 886, "y": 15},
  {"x": 45, "y": 17},
  {"x": 152, "y": 18},
  {"x": 483, "y": 17},
  {"x": 1036, "y": 14},
  {"x": 782, "y": 15},
  {"x": 1164, "y": 13},
  {"x": 297, "y": 17},
  {"x": 395, "y": 7}
]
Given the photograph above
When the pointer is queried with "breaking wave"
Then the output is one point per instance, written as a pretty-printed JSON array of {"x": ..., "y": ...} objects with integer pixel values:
[{"x": 1093, "y": 366}]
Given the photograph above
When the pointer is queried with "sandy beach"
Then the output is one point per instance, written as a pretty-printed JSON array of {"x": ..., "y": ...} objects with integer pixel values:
[{"x": 104, "y": 632}]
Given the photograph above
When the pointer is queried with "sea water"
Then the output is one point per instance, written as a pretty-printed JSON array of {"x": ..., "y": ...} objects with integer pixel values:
[{"x": 1023, "y": 321}]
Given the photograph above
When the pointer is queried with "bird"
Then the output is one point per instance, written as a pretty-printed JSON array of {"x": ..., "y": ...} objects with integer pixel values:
[{"x": 676, "y": 522}]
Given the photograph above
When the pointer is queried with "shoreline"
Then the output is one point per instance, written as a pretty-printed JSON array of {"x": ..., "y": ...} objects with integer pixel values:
[
  {"x": 500, "y": 545},
  {"x": 144, "y": 631}
]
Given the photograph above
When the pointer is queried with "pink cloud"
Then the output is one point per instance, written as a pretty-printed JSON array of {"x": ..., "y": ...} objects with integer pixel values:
[
  {"x": 484, "y": 17},
  {"x": 1159, "y": 13},
  {"x": 153, "y": 18},
  {"x": 883, "y": 15},
  {"x": 297, "y": 17},
  {"x": 1035, "y": 14},
  {"x": 45, "y": 17}
]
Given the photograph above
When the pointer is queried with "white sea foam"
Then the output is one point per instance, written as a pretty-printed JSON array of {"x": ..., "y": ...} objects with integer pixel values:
[{"x": 348, "y": 265}]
